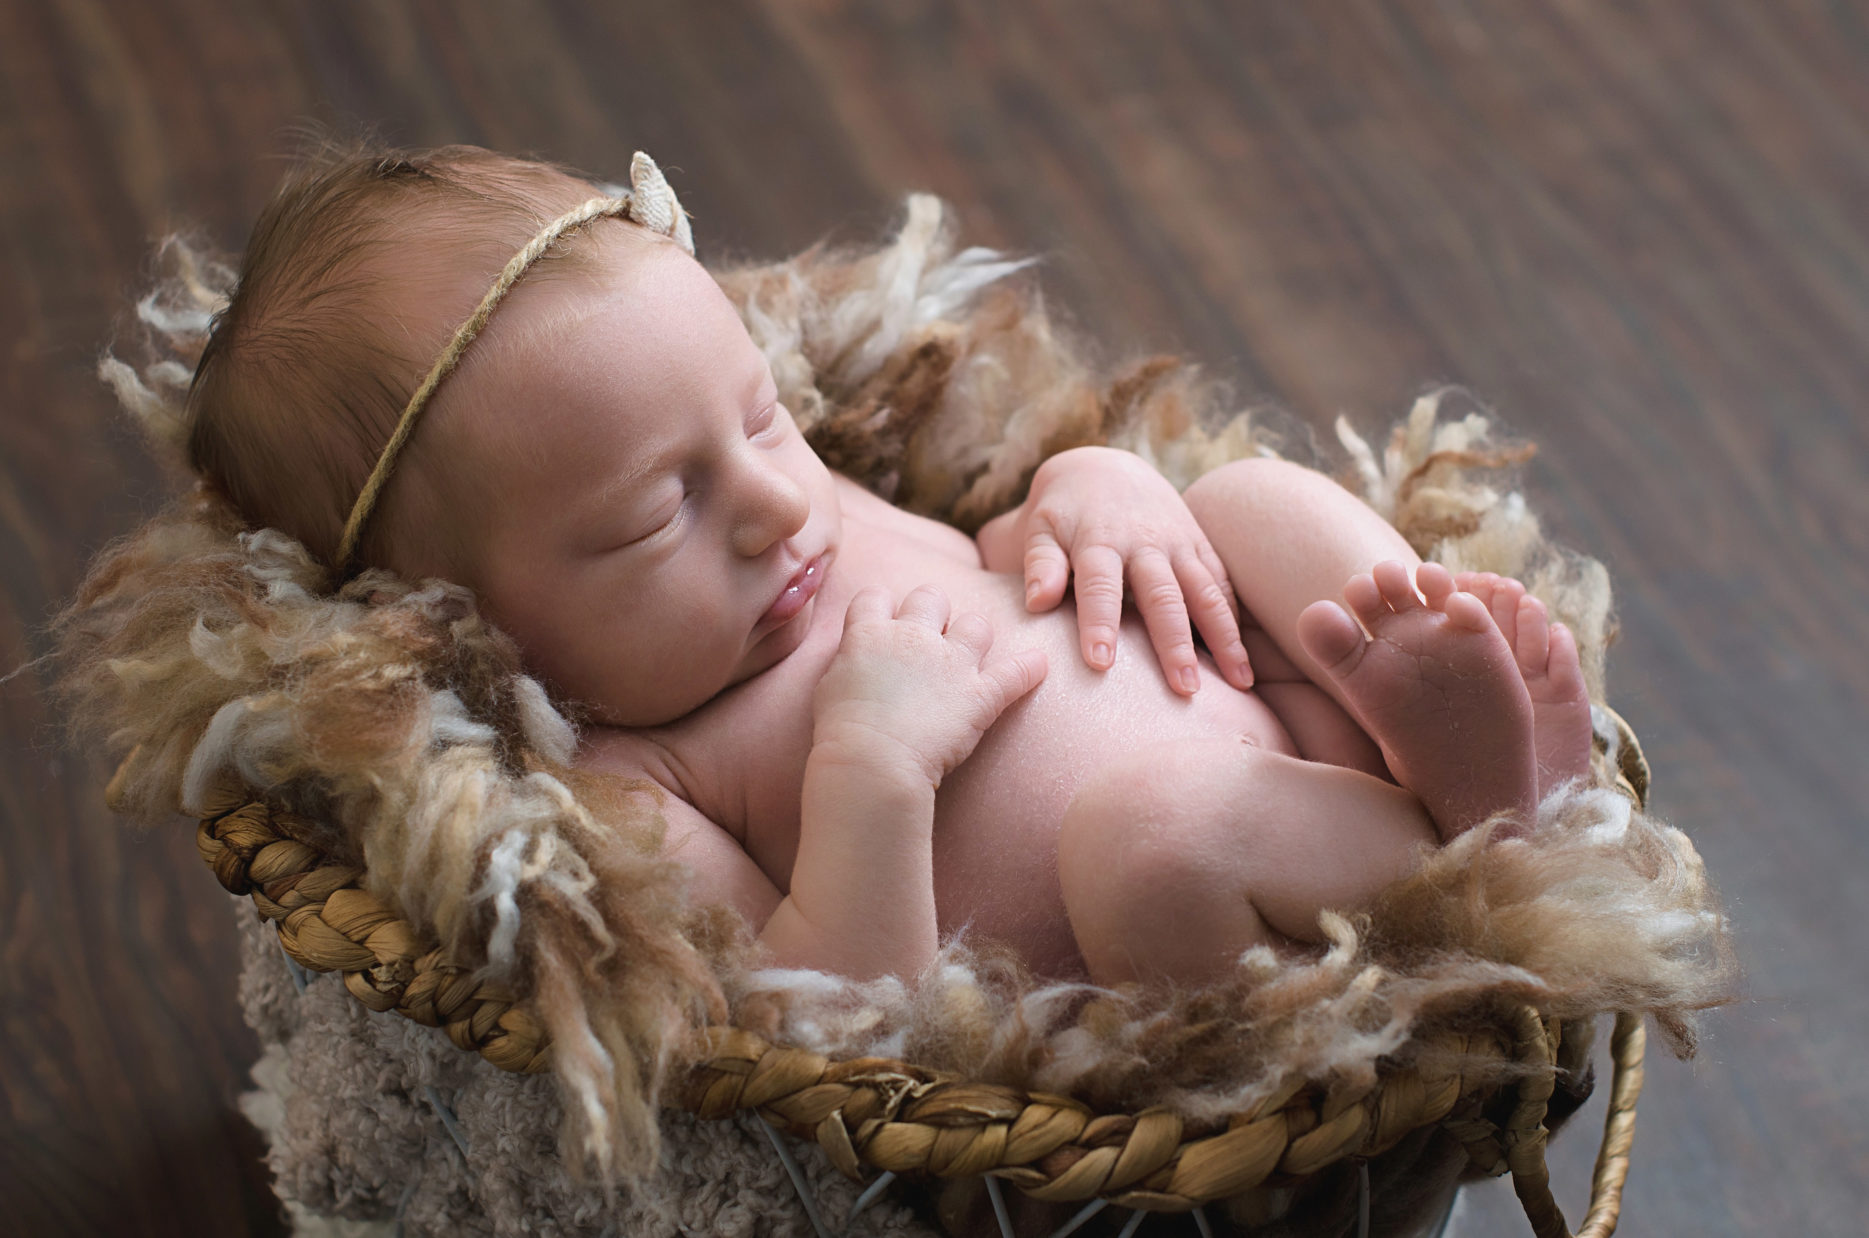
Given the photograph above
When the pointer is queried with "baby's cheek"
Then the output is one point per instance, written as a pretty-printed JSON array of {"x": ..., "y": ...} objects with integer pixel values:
[{"x": 692, "y": 656}]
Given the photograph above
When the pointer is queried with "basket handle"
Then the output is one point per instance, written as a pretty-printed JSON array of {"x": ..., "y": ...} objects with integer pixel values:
[
  {"x": 1612, "y": 1159},
  {"x": 1533, "y": 1183}
]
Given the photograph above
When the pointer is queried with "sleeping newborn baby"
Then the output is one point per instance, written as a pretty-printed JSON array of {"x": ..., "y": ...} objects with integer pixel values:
[{"x": 1126, "y": 732}]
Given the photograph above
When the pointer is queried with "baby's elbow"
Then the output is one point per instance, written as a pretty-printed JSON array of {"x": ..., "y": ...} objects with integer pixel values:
[{"x": 724, "y": 876}]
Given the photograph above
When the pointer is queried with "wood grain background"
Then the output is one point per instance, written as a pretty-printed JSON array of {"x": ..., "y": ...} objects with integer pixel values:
[{"x": 1639, "y": 231}]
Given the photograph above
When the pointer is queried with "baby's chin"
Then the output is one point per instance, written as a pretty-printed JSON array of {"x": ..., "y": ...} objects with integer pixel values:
[{"x": 780, "y": 643}]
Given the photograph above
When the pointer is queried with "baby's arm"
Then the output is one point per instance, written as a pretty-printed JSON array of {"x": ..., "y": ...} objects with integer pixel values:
[
  {"x": 864, "y": 871},
  {"x": 1107, "y": 516},
  {"x": 862, "y": 900},
  {"x": 905, "y": 701}
]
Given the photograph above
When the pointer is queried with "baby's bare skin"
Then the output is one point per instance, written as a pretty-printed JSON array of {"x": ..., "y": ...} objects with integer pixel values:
[
  {"x": 740, "y": 760},
  {"x": 998, "y": 817},
  {"x": 1546, "y": 654},
  {"x": 873, "y": 731},
  {"x": 1436, "y": 685}
]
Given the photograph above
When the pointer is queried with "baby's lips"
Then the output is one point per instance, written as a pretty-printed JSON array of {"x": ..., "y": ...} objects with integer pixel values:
[{"x": 797, "y": 593}]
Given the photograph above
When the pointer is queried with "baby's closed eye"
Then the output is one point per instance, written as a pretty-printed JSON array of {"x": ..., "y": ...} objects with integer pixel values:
[
  {"x": 662, "y": 522},
  {"x": 765, "y": 421},
  {"x": 661, "y": 515}
]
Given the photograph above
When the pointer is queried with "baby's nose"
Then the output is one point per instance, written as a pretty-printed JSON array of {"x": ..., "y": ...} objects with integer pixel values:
[{"x": 777, "y": 508}]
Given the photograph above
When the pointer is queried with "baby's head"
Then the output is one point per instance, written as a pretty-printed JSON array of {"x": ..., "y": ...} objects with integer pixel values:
[{"x": 608, "y": 467}]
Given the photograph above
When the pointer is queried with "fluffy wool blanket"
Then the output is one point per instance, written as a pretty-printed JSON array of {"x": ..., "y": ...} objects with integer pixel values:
[{"x": 404, "y": 729}]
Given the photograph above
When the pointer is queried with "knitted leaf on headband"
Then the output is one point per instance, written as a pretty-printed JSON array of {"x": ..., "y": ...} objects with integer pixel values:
[{"x": 653, "y": 204}]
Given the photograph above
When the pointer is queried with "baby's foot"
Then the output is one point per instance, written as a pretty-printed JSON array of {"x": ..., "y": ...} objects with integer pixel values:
[
  {"x": 1546, "y": 653},
  {"x": 1436, "y": 686}
]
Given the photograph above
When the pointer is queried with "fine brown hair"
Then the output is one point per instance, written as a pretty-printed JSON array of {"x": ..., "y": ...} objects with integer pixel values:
[{"x": 307, "y": 369}]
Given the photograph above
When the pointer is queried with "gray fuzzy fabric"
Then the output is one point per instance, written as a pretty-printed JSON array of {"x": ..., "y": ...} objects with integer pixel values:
[{"x": 356, "y": 1144}]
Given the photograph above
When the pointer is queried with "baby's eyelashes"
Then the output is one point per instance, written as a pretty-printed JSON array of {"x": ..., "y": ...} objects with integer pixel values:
[{"x": 664, "y": 517}]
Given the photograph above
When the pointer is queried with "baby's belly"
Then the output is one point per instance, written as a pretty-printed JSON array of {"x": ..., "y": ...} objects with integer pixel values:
[{"x": 997, "y": 816}]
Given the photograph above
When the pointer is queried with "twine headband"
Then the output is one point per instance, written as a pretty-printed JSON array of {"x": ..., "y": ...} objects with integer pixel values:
[{"x": 650, "y": 202}]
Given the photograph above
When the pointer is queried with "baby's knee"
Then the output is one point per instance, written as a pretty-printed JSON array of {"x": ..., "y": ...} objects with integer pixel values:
[{"x": 1254, "y": 480}]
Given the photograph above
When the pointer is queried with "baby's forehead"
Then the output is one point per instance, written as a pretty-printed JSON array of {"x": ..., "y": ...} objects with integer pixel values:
[
  {"x": 607, "y": 258},
  {"x": 602, "y": 330}
]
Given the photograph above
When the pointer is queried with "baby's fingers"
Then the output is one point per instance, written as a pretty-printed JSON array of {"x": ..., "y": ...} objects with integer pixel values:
[
  {"x": 1099, "y": 571},
  {"x": 971, "y": 630},
  {"x": 1215, "y": 610},
  {"x": 867, "y": 605},
  {"x": 1158, "y": 597},
  {"x": 925, "y": 604},
  {"x": 1046, "y": 571},
  {"x": 1011, "y": 677}
]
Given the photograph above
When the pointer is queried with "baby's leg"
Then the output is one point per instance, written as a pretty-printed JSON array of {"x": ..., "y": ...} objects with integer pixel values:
[
  {"x": 1319, "y": 727},
  {"x": 1290, "y": 536},
  {"x": 1317, "y": 724},
  {"x": 1178, "y": 859},
  {"x": 1435, "y": 684}
]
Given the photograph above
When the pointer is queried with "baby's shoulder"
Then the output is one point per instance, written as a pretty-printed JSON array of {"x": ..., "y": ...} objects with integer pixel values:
[
  {"x": 884, "y": 523},
  {"x": 616, "y": 751}
]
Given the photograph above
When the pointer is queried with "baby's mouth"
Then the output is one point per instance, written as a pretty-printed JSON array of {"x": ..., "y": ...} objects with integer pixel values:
[{"x": 798, "y": 591}]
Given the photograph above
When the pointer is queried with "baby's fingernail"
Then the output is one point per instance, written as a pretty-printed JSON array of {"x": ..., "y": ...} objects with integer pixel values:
[
  {"x": 1100, "y": 654},
  {"x": 1190, "y": 679}
]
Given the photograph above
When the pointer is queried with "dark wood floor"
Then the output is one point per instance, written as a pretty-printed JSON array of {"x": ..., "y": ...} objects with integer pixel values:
[{"x": 1641, "y": 231}]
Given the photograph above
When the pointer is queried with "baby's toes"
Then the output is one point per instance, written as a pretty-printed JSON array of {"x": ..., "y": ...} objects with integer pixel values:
[
  {"x": 1436, "y": 584},
  {"x": 1479, "y": 584},
  {"x": 1397, "y": 589},
  {"x": 1504, "y": 604},
  {"x": 1331, "y": 637},
  {"x": 1531, "y": 645},
  {"x": 1468, "y": 612},
  {"x": 1564, "y": 666},
  {"x": 1364, "y": 599}
]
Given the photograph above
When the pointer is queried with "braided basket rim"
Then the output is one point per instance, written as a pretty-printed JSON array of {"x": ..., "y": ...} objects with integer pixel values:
[{"x": 888, "y": 1114}]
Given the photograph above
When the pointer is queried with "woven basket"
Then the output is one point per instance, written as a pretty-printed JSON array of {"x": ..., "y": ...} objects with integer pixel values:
[{"x": 886, "y": 1114}]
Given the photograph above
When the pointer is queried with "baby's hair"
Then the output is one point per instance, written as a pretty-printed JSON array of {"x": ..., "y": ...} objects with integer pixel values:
[{"x": 307, "y": 369}]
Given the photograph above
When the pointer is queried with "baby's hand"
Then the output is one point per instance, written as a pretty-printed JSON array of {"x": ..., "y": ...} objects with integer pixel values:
[
  {"x": 913, "y": 688},
  {"x": 1104, "y": 516}
]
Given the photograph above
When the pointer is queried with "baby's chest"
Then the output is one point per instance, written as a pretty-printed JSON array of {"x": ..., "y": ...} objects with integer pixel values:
[
  {"x": 745, "y": 769},
  {"x": 745, "y": 761}
]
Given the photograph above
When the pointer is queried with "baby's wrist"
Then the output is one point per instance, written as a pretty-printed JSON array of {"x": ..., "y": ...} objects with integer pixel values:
[{"x": 882, "y": 762}]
